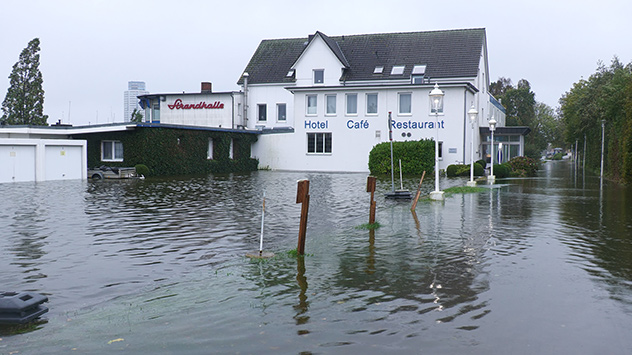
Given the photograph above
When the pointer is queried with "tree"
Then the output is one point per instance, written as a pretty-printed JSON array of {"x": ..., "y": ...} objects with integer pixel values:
[
  {"x": 24, "y": 102},
  {"x": 137, "y": 116}
]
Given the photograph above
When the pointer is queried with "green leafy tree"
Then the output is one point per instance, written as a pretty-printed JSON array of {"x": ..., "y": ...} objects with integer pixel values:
[
  {"x": 137, "y": 116},
  {"x": 24, "y": 102}
]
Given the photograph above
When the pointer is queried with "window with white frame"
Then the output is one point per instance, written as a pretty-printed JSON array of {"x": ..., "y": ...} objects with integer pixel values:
[
  {"x": 111, "y": 151},
  {"x": 331, "y": 104},
  {"x": 405, "y": 103},
  {"x": 319, "y": 143},
  {"x": 262, "y": 112},
  {"x": 352, "y": 104},
  {"x": 312, "y": 104},
  {"x": 281, "y": 112},
  {"x": 319, "y": 76},
  {"x": 371, "y": 104}
]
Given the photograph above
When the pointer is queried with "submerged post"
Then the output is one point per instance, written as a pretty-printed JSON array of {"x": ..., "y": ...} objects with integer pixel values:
[
  {"x": 302, "y": 197},
  {"x": 370, "y": 187}
]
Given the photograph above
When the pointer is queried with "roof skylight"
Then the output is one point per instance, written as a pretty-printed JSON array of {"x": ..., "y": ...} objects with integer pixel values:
[
  {"x": 378, "y": 69},
  {"x": 398, "y": 70},
  {"x": 419, "y": 69}
]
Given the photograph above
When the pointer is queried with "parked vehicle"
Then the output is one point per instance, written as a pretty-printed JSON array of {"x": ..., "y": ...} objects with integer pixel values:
[{"x": 111, "y": 172}]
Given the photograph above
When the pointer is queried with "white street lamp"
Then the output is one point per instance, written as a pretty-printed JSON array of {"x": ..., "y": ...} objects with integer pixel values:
[
  {"x": 436, "y": 100},
  {"x": 472, "y": 113},
  {"x": 492, "y": 127}
]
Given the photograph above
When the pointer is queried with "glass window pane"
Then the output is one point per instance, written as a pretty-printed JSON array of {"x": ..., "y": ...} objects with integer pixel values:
[
  {"x": 281, "y": 115},
  {"x": 311, "y": 104},
  {"x": 352, "y": 104},
  {"x": 371, "y": 103},
  {"x": 106, "y": 150},
  {"x": 405, "y": 103},
  {"x": 327, "y": 142},
  {"x": 331, "y": 104},
  {"x": 262, "y": 113},
  {"x": 118, "y": 150},
  {"x": 311, "y": 142},
  {"x": 319, "y": 76}
]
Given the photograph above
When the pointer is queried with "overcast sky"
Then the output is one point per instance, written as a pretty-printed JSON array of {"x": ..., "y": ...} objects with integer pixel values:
[{"x": 90, "y": 49}]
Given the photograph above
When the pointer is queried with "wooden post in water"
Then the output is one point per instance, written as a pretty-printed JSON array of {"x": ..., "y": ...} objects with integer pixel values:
[
  {"x": 302, "y": 197},
  {"x": 418, "y": 192},
  {"x": 370, "y": 187}
]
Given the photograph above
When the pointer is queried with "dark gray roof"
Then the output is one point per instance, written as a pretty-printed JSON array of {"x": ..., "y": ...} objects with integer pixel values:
[{"x": 446, "y": 54}]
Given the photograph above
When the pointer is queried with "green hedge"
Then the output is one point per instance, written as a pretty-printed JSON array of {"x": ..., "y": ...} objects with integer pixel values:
[
  {"x": 416, "y": 156},
  {"x": 523, "y": 166},
  {"x": 171, "y": 151},
  {"x": 464, "y": 170},
  {"x": 502, "y": 170}
]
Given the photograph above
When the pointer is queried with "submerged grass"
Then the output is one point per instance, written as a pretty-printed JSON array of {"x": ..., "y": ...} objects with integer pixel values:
[{"x": 369, "y": 226}]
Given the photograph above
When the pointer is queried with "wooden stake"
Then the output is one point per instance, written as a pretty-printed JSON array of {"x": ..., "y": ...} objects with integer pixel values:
[
  {"x": 418, "y": 192},
  {"x": 302, "y": 197},
  {"x": 370, "y": 187}
]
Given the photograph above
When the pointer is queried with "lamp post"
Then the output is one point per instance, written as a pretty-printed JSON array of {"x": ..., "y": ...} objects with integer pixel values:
[
  {"x": 436, "y": 100},
  {"x": 472, "y": 113},
  {"x": 492, "y": 127},
  {"x": 603, "y": 137}
]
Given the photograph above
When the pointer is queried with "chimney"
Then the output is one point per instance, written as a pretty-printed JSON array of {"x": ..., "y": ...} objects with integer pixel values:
[{"x": 206, "y": 87}]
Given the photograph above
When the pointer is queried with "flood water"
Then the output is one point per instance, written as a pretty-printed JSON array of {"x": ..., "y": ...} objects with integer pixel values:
[{"x": 530, "y": 266}]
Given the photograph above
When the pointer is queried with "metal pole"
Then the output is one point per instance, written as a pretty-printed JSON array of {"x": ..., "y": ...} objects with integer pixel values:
[
  {"x": 472, "y": 155},
  {"x": 263, "y": 214},
  {"x": 603, "y": 137},
  {"x": 492, "y": 157},
  {"x": 437, "y": 150},
  {"x": 390, "y": 137}
]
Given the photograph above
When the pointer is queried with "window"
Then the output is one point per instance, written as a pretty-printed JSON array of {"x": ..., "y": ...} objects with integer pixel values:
[
  {"x": 155, "y": 117},
  {"x": 419, "y": 69},
  {"x": 319, "y": 76},
  {"x": 417, "y": 79},
  {"x": 405, "y": 103},
  {"x": 371, "y": 104},
  {"x": 318, "y": 143},
  {"x": 111, "y": 151},
  {"x": 312, "y": 102},
  {"x": 352, "y": 104},
  {"x": 281, "y": 112},
  {"x": 331, "y": 104},
  {"x": 397, "y": 70},
  {"x": 262, "y": 112},
  {"x": 378, "y": 69},
  {"x": 440, "y": 150},
  {"x": 211, "y": 149}
]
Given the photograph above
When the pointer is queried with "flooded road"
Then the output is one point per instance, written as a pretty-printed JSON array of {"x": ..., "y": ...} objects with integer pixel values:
[{"x": 529, "y": 266}]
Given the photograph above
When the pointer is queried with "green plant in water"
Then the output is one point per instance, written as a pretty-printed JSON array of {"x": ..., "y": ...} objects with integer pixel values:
[
  {"x": 369, "y": 226},
  {"x": 462, "y": 190}
]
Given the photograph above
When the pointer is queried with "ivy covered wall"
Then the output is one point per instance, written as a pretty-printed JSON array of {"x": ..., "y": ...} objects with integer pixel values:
[{"x": 172, "y": 151}]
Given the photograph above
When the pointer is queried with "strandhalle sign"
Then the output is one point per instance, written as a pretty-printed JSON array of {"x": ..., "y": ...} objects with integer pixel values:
[{"x": 178, "y": 105}]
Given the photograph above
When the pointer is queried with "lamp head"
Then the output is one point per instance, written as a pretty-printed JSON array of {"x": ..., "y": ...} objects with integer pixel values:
[
  {"x": 472, "y": 113},
  {"x": 492, "y": 124}
]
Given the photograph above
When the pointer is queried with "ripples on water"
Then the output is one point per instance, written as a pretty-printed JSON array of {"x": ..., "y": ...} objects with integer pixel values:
[{"x": 159, "y": 264}]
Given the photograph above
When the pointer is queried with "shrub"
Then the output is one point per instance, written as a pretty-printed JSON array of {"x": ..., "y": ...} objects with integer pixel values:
[
  {"x": 142, "y": 169},
  {"x": 482, "y": 163},
  {"x": 557, "y": 156},
  {"x": 523, "y": 166},
  {"x": 416, "y": 156},
  {"x": 502, "y": 170},
  {"x": 464, "y": 170}
]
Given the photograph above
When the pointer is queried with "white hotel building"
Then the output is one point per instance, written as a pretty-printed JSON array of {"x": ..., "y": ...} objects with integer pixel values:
[{"x": 322, "y": 102}]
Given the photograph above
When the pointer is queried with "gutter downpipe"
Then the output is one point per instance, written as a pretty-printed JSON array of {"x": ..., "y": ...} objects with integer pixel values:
[{"x": 245, "y": 76}]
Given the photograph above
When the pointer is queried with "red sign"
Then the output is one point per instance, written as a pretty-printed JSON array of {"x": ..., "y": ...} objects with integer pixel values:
[{"x": 178, "y": 105}]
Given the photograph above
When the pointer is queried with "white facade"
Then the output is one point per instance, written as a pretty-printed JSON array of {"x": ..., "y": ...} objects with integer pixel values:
[
  {"x": 355, "y": 125},
  {"x": 204, "y": 109}
]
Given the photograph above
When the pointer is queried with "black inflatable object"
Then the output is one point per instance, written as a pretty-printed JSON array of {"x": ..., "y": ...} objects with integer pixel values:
[{"x": 22, "y": 307}]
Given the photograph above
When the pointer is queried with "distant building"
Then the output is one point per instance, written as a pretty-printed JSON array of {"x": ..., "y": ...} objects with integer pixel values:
[{"x": 130, "y": 99}]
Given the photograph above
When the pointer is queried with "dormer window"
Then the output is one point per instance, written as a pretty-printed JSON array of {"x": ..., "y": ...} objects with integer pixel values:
[
  {"x": 319, "y": 76},
  {"x": 290, "y": 73},
  {"x": 378, "y": 69},
  {"x": 398, "y": 70}
]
